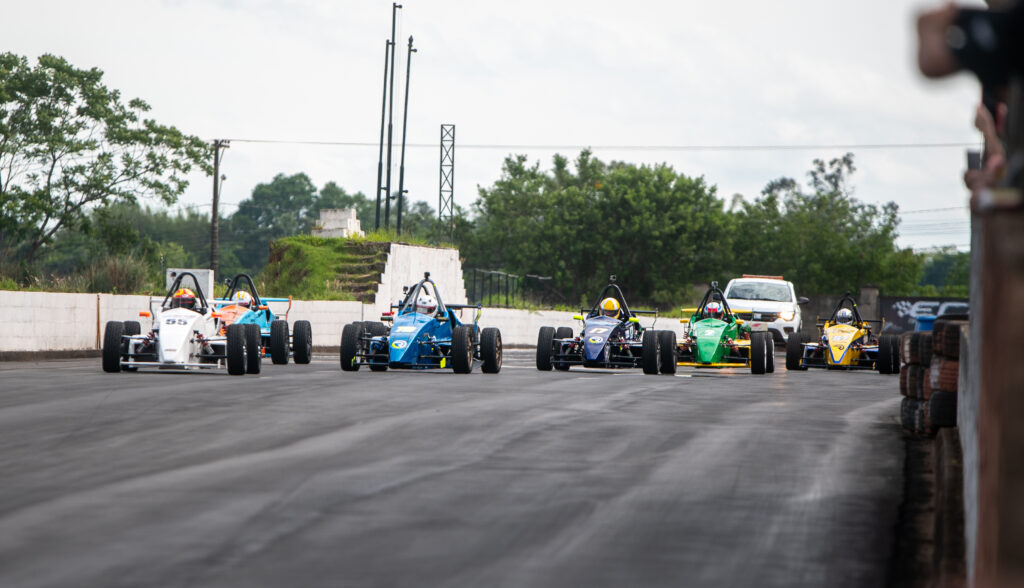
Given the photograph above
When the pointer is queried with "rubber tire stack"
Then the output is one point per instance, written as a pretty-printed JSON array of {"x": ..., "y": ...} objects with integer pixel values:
[
  {"x": 944, "y": 372},
  {"x": 914, "y": 408}
]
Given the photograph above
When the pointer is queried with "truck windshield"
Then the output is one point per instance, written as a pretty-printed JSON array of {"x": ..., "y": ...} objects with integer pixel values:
[{"x": 759, "y": 291}]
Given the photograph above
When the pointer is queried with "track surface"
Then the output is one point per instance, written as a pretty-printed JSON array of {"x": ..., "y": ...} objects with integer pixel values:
[{"x": 307, "y": 476}]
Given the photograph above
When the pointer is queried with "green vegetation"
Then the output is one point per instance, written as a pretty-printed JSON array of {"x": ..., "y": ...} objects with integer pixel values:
[{"x": 313, "y": 268}]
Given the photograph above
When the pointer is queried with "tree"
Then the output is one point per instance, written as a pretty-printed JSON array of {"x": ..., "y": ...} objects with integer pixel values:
[
  {"x": 286, "y": 206},
  {"x": 68, "y": 143}
]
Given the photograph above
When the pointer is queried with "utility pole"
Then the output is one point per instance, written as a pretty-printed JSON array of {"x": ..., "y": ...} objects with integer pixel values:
[
  {"x": 218, "y": 145},
  {"x": 405, "y": 123},
  {"x": 380, "y": 152},
  {"x": 391, "y": 99}
]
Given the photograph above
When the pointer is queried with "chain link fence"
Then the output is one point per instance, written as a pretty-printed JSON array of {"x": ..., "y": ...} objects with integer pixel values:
[{"x": 501, "y": 289}]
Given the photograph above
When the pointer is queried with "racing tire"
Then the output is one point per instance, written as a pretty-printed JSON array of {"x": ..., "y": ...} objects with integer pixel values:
[
  {"x": 758, "y": 353},
  {"x": 794, "y": 352},
  {"x": 924, "y": 352},
  {"x": 905, "y": 348},
  {"x": 279, "y": 342},
  {"x": 462, "y": 349},
  {"x": 253, "y": 349},
  {"x": 130, "y": 328},
  {"x": 562, "y": 333},
  {"x": 490, "y": 350},
  {"x": 886, "y": 356},
  {"x": 350, "y": 347},
  {"x": 376, "y": 329},
  {"x": 545, "y": 344},
  {"x": 942, "y": 409},
  {"x": 668, "y": 351},
  {"x": 904, "y": 387},
  {"x": 651, "y": 354},
  {"x": 236, "y": 350},
  {"x": 914, "y": 356},
  {"x": 302, "y": 342},
  {"x": 908, "y": 408},
  {"x": 112, "y": 338},
  {"x": 770, "y": 355}
]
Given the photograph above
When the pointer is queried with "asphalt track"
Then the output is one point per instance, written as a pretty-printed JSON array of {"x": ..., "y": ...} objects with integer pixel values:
[{"x": 308, "y": 476}]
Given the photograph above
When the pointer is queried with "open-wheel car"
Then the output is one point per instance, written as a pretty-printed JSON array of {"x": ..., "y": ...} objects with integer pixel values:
[{"x": 845, "y": 341}]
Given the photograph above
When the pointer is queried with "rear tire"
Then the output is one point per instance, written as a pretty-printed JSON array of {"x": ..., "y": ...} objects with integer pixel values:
[
  {"x": 794, "y": 352},
  {"x": 770, "y": 355},
  {"x": 350, "y": 347},
  {"x": 884, "y": 363},
  {"x": 545, "y": 342},
  {"x": 758, "y": 353},
  {"x": 236, "y": 349},
  {"x": 130, "y": 328},
  {"x": 112, "y": 338},
  {"x": 668, "y": 351},
  {"x": 562, "y": 333},
  {"x": 376, "y": 329},
  {"x": 302, "y": 342},
  {"x": 490, "y": 350},
  {"x": 651, "y": 353},
  {"x": 462, "y": 349},
  {"x": 279, "y": 342},
  {"x": 253, "y": 349}
]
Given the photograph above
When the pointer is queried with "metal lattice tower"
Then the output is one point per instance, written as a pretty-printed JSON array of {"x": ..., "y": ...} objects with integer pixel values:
[{"x": 445, "y": 207}]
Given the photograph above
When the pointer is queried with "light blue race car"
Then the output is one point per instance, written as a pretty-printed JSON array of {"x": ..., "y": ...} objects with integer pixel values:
[
  {"x": 424, "y": 334},
  {"x": 242, "y": 305}
]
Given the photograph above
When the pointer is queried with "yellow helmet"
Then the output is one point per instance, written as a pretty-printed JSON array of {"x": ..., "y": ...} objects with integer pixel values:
[{"x": 610, "y": 307}]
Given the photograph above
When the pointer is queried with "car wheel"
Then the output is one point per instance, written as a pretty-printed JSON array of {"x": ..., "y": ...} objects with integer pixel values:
[
  {"x": 376, "y": 329},
  {"x": 302, "y": 342},
  {"x": 758, "y": 353},
  {"x": 794, "y": 352},
  {"x": 770, "y": 355},
  {"x": 545, "y": 342},
  {"x": 668, "y": 351},
  {"x": 350, "y": 347},
  {"x": 650, "y": 357},
  {"x": 253, "y": 349},
  {"x": 884, "y": 363},
  {"x": 462, "y": 349},
  {"x": 561, "y": 333},
  {"x": 236, "y": 350},
  {"x": 279, "y": 342},
  {"x": 130, "y": 328},
  {"x": 490, "y": 350},
  {"x": 112, "y": 338}
]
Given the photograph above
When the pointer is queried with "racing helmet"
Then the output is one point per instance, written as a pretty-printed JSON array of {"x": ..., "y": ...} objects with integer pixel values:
[
  {"x": 425, "y": 303},
  {"x": 184, "y": 298},
  {"x": 844, "y": 316},
  {"x": 242, "y": 298},
  {"x": 610, "y": 307},
  {"x": 714, "y": 310}
]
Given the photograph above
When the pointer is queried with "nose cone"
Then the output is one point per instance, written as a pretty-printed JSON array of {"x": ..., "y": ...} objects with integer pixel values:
[
  {"x": 596, "y": 335},
  {"x": 709, "y": 338}
]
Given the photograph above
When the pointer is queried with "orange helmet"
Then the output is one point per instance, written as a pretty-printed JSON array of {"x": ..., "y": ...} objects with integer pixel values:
[{"x": 184, "y": 298}]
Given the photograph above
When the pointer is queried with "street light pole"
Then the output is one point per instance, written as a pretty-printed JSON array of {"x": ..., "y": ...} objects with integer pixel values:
[
  {"x": 391, "y": 99},
  {"x": 405, "y": 124},
  {"x": 218, "y": 145},
  {"x": 380, "y": 152}
]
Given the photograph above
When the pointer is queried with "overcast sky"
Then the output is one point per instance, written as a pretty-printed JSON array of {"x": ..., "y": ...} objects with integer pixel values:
[{"x": 530, "y": 74}]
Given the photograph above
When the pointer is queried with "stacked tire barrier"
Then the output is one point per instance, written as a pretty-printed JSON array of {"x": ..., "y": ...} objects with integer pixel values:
[{"x": 928, "y": 378}]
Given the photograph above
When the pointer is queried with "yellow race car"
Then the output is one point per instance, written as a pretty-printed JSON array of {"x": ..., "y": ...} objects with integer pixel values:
[{"x": 845, "y": 341}]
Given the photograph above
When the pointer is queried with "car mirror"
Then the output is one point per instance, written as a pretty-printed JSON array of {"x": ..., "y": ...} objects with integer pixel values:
[
  {"x": 442, "y": 319},
  {"x": 740, "y": 321},
  {"x": 803, "y": 300},
  {"x": 578, "y": 317},
  {"x": 633, "y": 319},
  {"x": 264, "y": 307}
]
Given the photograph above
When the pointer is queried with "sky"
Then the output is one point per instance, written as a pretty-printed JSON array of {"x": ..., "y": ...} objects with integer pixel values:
[{"x": 647, "y": 82}]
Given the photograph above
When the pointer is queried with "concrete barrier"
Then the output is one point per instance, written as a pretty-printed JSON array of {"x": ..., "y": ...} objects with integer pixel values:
[{"x": 405, "y": 267}]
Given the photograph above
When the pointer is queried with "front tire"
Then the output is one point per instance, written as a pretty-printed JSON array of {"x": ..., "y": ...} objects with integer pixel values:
[
  {"x": 462, "y": 349},
  {"x": 253, "y": 349},
  {"x": 350, "y": 347},
  {"x": 651, "y": 353},
  {"x": 236, "y": 350},
  {"x": 668, "y": 351},
  {"x": 794, "y": 352},
  {"x": 302, "y": 342},
  {"x": 113, "y": 335},
  {"x": 279, "y": 342},
  {"x": 545, "y": 342},
  {"x": 561, "y": 333},
  {"x": 758, "y": 353},
  {"x": 770, "y": 355},
  {"x": 490, "y": 350}
]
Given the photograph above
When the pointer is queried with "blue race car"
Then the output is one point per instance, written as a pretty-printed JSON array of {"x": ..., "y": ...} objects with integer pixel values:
[
  {"x": 242, "y": 305},
  {"x": 425, "y": 334},
  {"x": 612, "y": 336}
]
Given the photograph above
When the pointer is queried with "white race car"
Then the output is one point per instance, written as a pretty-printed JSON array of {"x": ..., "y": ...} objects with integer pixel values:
[{"x": 186, "y": 334}]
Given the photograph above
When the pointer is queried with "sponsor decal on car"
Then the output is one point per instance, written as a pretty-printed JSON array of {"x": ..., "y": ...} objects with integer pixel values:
[{"x": 400, "y": 344}]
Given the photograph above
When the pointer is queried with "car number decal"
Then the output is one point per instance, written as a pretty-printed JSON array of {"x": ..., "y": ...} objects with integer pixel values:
[
  {"x": 399, "y": 344},
  {"x": 708, "y": 332},
  {"x": 175, "y": 321},
  {"x": 597, "y": 330},
  {"x": 405, "y": 329}
]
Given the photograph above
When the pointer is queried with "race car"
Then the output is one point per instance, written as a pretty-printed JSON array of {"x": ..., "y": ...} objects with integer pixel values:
[
  {"x": 612, "y": 336},
  {"x": 424, "y": 334},
  {"x": 186, "y": 334},
  {"x": 716, "y": 338},
  {"x": 242, "y": 305},
  {"x": 845, "y": 341}
]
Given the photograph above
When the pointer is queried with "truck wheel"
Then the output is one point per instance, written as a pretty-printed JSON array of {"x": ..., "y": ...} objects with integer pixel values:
[
  {"x": 350, "y": 347},
  {"x": 758, "y": 353},
  {"x": 650, "y": 357},
  {"x": 279, "y": 342},
  {"x": 112, "y": 337},
  {"x": 253, "y": 349},
  {"x": 236, "y": 349},
  {"x": 462, "y": 349},
  {"x": 490, "y": 350},
  {"x": 668, "y": 351},
  {"x": 545, "y": 342},
  {"x": 794, "y": 352},
  {"x": 302, "y": 342}
]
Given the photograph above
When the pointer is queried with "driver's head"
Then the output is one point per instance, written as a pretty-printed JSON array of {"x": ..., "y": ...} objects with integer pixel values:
[
  {"x": 844, "y": 316},
  {"x": 714, "y": 310},
  {"x": 184, "y": 298},
  {"x": 242, "y": 298},
  {"x": 610, "y": 307},
  {"x": 425, "y": 303}
]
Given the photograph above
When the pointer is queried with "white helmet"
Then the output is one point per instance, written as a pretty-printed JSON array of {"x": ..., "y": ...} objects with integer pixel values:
[
  {"x": 844, "y": 316},
  {"x": 242, "y": 298},
  {"x": 425, "y": 303}
]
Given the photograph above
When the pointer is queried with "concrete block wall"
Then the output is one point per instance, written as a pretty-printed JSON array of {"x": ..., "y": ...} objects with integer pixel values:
[
  {"x": 406, "y": 264},
  {"x": 327, "y": 318}
]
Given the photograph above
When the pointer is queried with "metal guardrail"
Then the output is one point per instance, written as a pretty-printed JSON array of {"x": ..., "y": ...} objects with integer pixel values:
[{"x": 502, "y": 289}]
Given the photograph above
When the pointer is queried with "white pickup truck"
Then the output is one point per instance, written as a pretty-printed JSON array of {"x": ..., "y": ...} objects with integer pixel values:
[{"x": 766, "y": 302}]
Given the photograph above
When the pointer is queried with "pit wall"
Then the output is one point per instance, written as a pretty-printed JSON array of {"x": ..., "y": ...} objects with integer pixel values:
[
  {"x": 405, "y": 267},
  {"x": 49, "y": 321}
]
